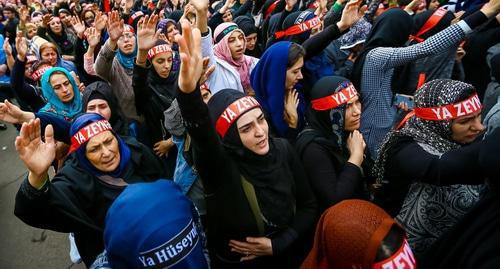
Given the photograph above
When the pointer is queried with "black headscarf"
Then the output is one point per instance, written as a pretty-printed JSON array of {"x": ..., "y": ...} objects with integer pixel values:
[
  {"x": 247, "y": 25},
  {"x": 270, "y": 174},
  {"x": 391, "y": 29},
  {"x": 401, "y": 73},
  {"x": 102, "y": 90}
]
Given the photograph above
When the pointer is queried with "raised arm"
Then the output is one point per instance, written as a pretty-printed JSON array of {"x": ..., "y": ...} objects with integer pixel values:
[{"x": 104, "y": 60}]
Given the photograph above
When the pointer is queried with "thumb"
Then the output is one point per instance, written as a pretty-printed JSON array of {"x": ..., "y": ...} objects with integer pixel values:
[
  {"x": 49, "y": 134},
  {"x": 8, "y": 104},
  {"x": 252, "y": 240}
]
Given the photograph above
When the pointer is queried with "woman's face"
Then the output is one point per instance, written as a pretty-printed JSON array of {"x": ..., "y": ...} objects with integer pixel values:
[
  {"x": 294, "y": 74},
  {"x": 465, "y": 130},
  {"x": 62, "y": 87},
  {"x": 50, "y": 55},
  {"x": 126, "y": 43},
  {"x": 171, "y": 32},
  {"x": 162, "y": 64},
  {"x": 100, "y": 107},
  {"x": 103, "y": 152},
  {"x": 236, "y": 42},
  {"x": 89, "y": 18},
  {"x": 227, "y": 17},
  {"x": 433, "y": 5},
  {"x": 37, "y": 20},
  {"x": 30, "y": 31},
  {"x": 251, "y": 41},
  {"x": 352, "y": 115},
  {"x": 55, "y": 25},
  {"x": 253, "y": 130}
]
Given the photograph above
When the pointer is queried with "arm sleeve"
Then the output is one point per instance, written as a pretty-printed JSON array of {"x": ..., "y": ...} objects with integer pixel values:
[
  {"x": 22, "y": 89},
  {"x": 392, "y": 57},
  {"x": 104, "y": 62},
  {"x": 244, "y": 9},
  {"x": 60, "y": 126},
  {"x": 317, "y": 43},
  {"x": 215, "y": 20},
  {"x": 142, "y": 92},
  {"x": 329, "y": 185},
  {"x": 458, "y": 166},
  {"x": 88, "y": 64},
  {"x": 272, "y": 38},
  {"x": 305, "y": 216},
  {"x": 209, "y": 156}
]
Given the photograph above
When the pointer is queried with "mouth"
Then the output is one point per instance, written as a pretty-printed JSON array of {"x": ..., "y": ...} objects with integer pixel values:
[
  {"x": 262, "y": 143},
  {"x": 108, "y": 162}
]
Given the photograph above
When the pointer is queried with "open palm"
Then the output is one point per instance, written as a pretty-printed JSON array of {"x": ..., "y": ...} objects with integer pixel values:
[
  {"x": 146, "y": 32},
  {"x": 115, "y": 26},
  {"x": 10, "y": 113},
  {"x": 36, "y": 154},
  {"x": 191, "y": 59}
]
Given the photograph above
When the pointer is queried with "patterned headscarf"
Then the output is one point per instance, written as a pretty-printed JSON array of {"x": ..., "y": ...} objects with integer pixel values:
[{"x": 435, "y": 136}]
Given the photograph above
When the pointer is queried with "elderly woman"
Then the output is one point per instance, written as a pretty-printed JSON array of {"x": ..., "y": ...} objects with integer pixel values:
[{"x": 100, "y": 165}]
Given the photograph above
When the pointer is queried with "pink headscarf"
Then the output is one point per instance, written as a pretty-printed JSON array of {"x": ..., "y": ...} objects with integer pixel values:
[{"x": 222, "y": 51}]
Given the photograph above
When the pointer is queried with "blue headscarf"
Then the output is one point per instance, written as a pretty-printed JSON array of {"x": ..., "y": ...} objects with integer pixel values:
[
  {"x": 85, "y": 120},
  {"x": 268, "y": 80},
  {"x": 54, "y": 104},
  {"x": 127, "y": 60}
]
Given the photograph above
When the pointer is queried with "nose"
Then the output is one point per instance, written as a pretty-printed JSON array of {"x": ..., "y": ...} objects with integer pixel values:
[
  {"x": 105, "y": 151},
  {"x": 299, "y": 75},
  {"x": 477, "y": 125},
  {"x": 259, "y": 131},
  {"x": 357, "y": 109}
]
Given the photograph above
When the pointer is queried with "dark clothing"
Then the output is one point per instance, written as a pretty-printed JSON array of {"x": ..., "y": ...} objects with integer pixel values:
[
  {"x": 76, "y": 201},
  {"x": 228, "y": 209},
  {"x": 332, "y": 178},
  {"x": 408, "y": 162},
  {"x": 27, "y": 93}
]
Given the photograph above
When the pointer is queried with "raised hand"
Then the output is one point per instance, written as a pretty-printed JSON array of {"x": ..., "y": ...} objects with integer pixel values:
[
  {"x": 191, "y": 60},
  {"x": 147, "y": 35},
  {"x": 21, "y": 46},
  {"x": 291, "y": 104},
  {"x": 100, "y": 21},
  {"x": 491, "y": 8},
  {"x": 350, "y": 15},
  {"x": 93, "y": 36},
  {"x": 6, "y": 47},
  {"x": 77, "y": 25},
  {"x": 24, "y": 14},
  {"x": 36, "y": 154},
  {"x": 46, "y": 20},
  {"x": 201, "y": 4},
  {"x": 290, "y": 4},
  {"x": 115, "y": 26}
]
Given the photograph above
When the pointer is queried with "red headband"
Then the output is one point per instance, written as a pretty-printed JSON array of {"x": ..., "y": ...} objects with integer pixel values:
[
  {"x": 339, "y": 98},
  {"x": 158, "y": 49},
  {"x": 87, "y": 132},
  {"x": 134, "y": 16},
  {"x": 128, "y": 28},
  {"x": 299, "y": 28},
  {"x": 39, "y": 72},
  {"x": 270, "y": 9},
  {"x": 451, "y": 111},
  {"x": 233, "y": 112},
  {"x": 429, "y": 24},
  {"x": 403, "y": 258}
]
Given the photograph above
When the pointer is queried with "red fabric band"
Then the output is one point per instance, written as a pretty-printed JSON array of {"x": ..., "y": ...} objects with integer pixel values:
[
  {"x": 429, "y": 24},
  {"x": 233, "y": 112},
  {"x": 87, "y": 132},
  {"x": 39, "y": 73},
  {"x": 332, "y": 101},
  {"x": 158, "y": 50},
  {"x": 270, "y": 9},
  {"x": 299, "y": 28},
  {"x": 450, "y": 112},
  {"x": 134, "y": 16},
  {"x": 403, "y": 258}
]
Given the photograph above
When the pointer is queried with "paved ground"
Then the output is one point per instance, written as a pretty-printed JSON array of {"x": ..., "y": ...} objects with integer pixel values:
[{"x": 22, "y": 246}]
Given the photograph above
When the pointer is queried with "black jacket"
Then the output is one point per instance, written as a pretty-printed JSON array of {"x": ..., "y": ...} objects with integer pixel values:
[
  {"x": 76, "y": 201},
  {"x": 228, "y": 210}
]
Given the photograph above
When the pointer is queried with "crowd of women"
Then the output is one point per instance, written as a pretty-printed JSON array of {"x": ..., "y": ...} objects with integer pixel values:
[{"x": 258, "y": 133}]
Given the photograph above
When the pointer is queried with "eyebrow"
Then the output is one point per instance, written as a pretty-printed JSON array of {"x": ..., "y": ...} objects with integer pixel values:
[{"x": 250, "y": 123}]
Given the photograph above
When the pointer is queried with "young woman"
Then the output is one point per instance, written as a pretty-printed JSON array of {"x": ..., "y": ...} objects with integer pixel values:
[
  {"x": 373, "y": 71},
  {"x": 49, "y": 52},
  {"x": 259, "y": 202},
  {"x": 155, "y": 87},
  {"x": 331, "y": 147},
  {"x": 233, "y": 67},
  {"x": 115, "y": 63},
  {"x": 428, "y": 173},
  {"x": 56, "y": 32},
  {"x": 76, "y": 199}
]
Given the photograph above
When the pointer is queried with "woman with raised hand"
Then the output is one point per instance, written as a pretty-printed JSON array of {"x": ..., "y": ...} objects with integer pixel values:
[
  {"x": 56, "y": 32},
  {"x": 259, "y": 203},
  {"x": 155, "y": 87},
  {"x": 115, "y": 63},
  {"x": 99, "y": 167}
]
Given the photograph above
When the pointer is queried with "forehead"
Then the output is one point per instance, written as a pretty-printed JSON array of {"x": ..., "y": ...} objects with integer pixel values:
[
  {"x": 97, "y": 102},
  {"x": 58, "y": 79},
  {"x": 163, "y": 56},
  {"x": 248, "y": 117},
  {"x": 236, "y": 34},
  {"x": 56, "y": 19},
  {"x": 96, "y": 140}
]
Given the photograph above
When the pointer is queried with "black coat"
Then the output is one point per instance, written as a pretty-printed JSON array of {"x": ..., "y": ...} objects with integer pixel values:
[{"x": 76, "y": 201}]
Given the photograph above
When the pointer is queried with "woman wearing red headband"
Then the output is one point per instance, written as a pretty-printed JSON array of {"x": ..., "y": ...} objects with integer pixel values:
[
  {"x": 331, "y": 147},
  {"x": 428, "y": 174},
  {"x": 100, "y": 165},
  {"x": 259, "y": 203}
]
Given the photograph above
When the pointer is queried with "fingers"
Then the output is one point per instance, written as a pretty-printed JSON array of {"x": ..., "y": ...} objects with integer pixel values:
[{"x": 248, "y": 258}]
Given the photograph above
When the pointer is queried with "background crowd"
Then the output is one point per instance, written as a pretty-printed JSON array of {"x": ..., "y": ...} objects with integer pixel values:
[{"x": 258, "y": 133}]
